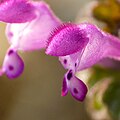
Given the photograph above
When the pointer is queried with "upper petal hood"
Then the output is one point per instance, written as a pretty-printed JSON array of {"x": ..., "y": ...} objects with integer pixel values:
[
  {"x": 66, "y": 39},
  {"x": 16, "y": 11}
]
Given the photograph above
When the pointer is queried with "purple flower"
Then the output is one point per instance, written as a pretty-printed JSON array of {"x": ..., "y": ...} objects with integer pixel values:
[
  {"x": 79, "y": 47},
  {"x": 34, "y": 34},
  {"x": 28, "y": 36}
]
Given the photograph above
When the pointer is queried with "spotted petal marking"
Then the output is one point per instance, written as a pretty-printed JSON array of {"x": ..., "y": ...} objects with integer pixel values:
[
  {"x": 76, "y": 87},
  {"x": 13, "y": 65}
]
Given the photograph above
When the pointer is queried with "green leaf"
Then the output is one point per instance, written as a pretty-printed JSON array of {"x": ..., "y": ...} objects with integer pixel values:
[{"x": 112, "y": 99}]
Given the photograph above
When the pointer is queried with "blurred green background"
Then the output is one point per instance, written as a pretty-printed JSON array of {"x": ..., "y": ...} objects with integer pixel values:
[{"x": 36, "y": 94}]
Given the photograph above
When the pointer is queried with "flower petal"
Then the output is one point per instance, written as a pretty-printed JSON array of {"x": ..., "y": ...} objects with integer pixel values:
[
  {"x": 101, "y": 45},
  {"x": 34, "y": 34},
  {"x": 13, "y": 65},
  {"x": 64, "y": 88},
  {"x": 16, "y": 11},
  {"x": 76, "y": 87},
  {"x": 71, "y": 61},
  {"x": 66, "y": 39}
]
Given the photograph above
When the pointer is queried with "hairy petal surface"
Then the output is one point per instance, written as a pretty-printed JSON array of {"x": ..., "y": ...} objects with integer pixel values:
[
  {"x": 34, "y": 34},
  {"x": 65, "y": 40},
  {"x": 16, "y": 11}
]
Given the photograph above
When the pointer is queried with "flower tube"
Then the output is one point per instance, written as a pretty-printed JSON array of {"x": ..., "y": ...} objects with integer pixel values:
[{"x": 33, "y": 35}]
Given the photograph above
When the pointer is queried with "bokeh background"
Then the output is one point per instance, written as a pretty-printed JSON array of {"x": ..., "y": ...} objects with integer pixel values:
[{"x": 36, "y": 94}]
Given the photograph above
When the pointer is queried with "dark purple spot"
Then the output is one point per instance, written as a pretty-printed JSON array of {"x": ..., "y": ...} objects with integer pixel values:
[
  {"x": 69, "y": 75},
  {"x": 65, "y": 61},
  {"x": 10, "y": 34},
  {"x": 11, "y": 67},
  {"x": 75, "y": 91},
  {"x": 10, "y": 52},
  {"x": 75, "y": 64},
  {"x": 64, "y": 85}
]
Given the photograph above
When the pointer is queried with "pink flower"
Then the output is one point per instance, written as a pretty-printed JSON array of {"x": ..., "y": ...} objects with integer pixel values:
[
  {"x": 79, "y": 47},
  {"x": 31, "y": 35}
]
